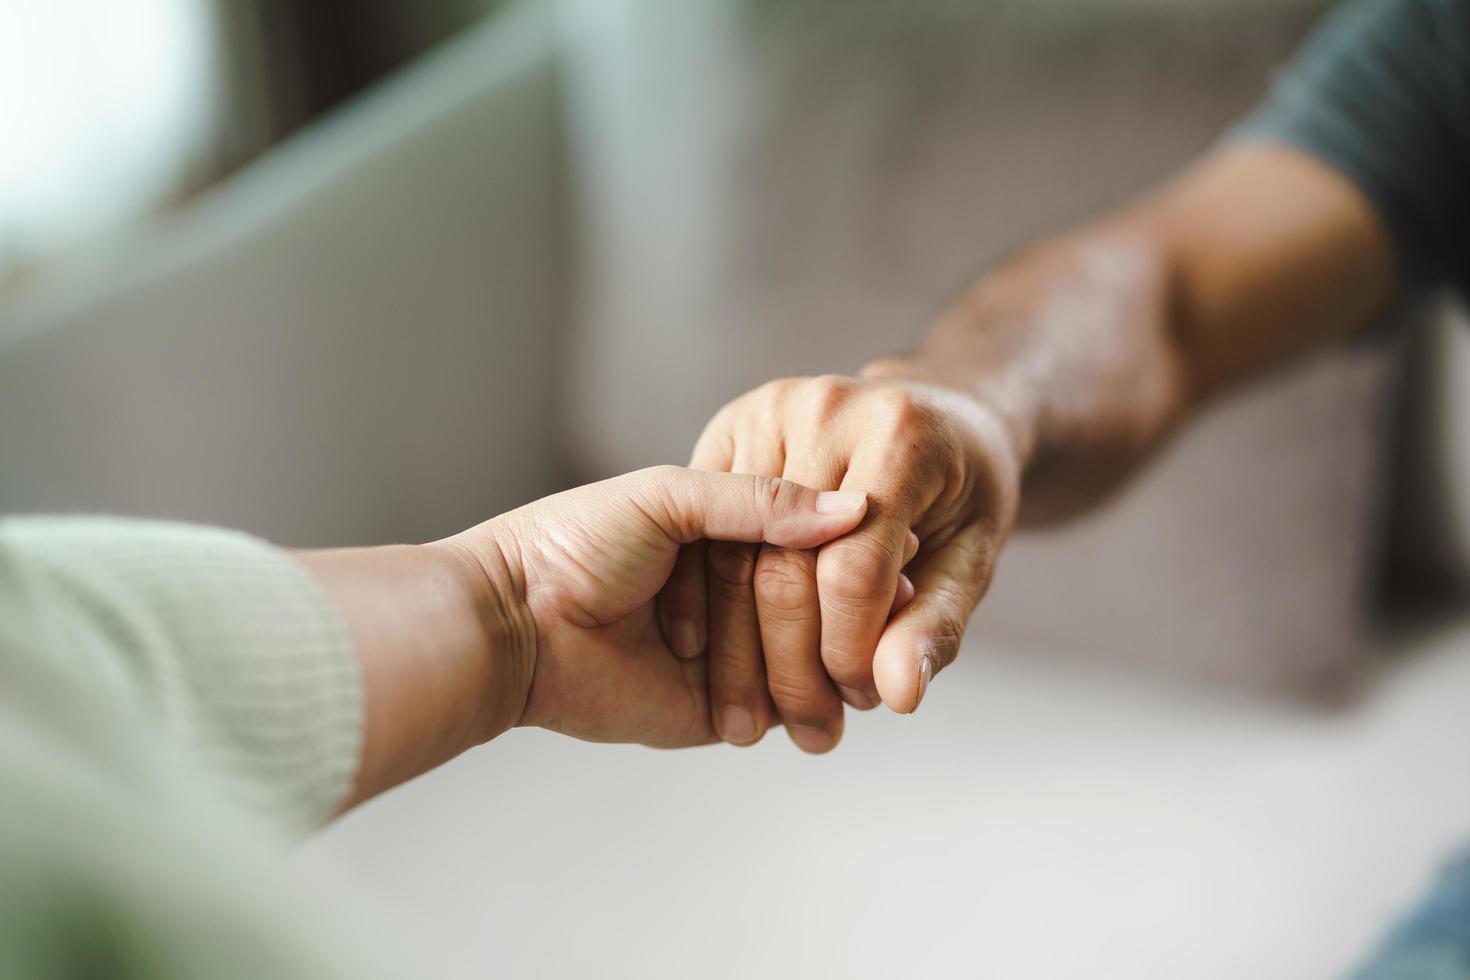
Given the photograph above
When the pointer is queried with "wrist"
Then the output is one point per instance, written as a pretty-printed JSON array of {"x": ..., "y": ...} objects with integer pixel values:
[
  {"x": 1073, "y": 346},
  {"x": 486, "y": 563},
  {"x": 443, "y": 664},
  {"x": 1005, "y": 402}
]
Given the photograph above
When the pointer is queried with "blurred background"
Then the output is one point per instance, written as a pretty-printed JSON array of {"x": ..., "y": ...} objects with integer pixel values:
[{"x": 372, "y": 271}]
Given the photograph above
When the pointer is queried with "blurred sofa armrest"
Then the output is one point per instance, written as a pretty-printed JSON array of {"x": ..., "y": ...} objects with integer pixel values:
[{"x": 351, "y": 340}]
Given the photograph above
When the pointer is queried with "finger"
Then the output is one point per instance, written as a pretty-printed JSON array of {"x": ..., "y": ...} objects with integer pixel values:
[
  {"x": 925, "y": 636},
  {"x": 903, "y": 595},
  {"x": 910, "y": 547},
  {"x": 858, "y": 574},
  {"x": 682, "y": 603},
  {"x": 683, "y": 612},
  {"x": 791, "y": 629},
  {"x": 739, "y": 706},
  {"x": 737, "y": 689},
  {"x": 857, "y": 579},
  {"x": 690, "y": 504},
  {"x": 786, "y": 599}
]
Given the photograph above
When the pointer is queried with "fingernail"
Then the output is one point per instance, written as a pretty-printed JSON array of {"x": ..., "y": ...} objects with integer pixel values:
[
  {"x": 809, "y": 739},
  {"x": 840, "y": 501},
  {"x": 856, "y": 698},
  {"x": 926, "y": 673},
  {"x": 737, "y": 725},
  {"x": 685, "y": 637}
]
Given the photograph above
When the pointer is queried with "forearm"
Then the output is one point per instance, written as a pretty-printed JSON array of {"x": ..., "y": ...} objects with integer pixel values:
[
  {"x": 1094, "y": 346},
  {"x": 445, "y": 660}
]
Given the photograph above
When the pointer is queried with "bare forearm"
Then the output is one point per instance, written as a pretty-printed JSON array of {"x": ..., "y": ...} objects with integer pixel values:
[
  {"x": 1069, "y": 343},
  {"x": 1094, "y": 346},
  {"x": 444, "y": 666}
]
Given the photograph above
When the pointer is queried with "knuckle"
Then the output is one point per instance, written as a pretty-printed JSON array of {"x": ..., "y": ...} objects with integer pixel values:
[
  {"x": 941, "y": 642},
  {"x": 659, "y": 488},
  {"x": 846, "y": 664},
  {"x": 854, "y": 571},
  {"x": 893, "y": 398},
  {"x": 827, "y": 394},
  {"x": 785, "y": 581},
  {"x": 774, "y": 393},
  {"x": 905, "y": 414},
  {"x": 775, "y": 497},
  {"x": 764, "y": 490},
  {"x": 716, "y": 444},
  {"x": 749, "y": 416},
  {"x": 886, "y": 367},
  {"x": 731, "y": 564},
  {"x": 832, "y": 382}
]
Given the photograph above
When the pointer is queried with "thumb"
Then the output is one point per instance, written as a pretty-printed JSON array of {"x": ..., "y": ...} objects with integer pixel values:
[
  {"x": 924, "y": 636},
  {"x": 693, "y": 504}
]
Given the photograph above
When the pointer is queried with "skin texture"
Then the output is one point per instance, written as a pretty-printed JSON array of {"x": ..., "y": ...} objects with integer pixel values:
[
  {"x": 937, "y": 467},
  {"x": 1033, "y": 397},
  {"x": 545, "y": 616}
]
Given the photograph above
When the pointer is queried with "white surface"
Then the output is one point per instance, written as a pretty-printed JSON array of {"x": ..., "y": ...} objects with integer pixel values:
[{"x": 1035, "y": 820}]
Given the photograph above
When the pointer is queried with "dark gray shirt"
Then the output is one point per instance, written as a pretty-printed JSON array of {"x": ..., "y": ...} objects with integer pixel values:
[{"x": 1381, "y": 92}]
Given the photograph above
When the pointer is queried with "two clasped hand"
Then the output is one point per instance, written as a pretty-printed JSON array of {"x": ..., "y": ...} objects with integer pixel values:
[
  {"x": 789, "y": 634},
  {"x": 835, "y": 559}
]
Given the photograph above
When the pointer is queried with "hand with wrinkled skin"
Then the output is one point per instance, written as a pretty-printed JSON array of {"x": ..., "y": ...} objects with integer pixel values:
[
  {"x": 1071, "y": 362},
  {"x": 794, "y": 633}
]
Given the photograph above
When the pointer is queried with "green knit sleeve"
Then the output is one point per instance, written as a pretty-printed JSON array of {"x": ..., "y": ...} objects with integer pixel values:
[{"x": 219, "y": 641}]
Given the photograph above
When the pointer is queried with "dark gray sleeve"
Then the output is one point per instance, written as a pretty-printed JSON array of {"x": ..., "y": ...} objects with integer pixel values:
[{"x": 1381, "y": 92}]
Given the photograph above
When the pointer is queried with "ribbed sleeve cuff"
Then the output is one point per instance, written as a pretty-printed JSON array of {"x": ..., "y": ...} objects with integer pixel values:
[{"x": 226, "y": 641}]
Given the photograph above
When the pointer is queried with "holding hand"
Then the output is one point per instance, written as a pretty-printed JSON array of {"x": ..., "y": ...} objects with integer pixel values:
[
  {"x": 545, "y": 615},
  {"x": 792, "y": 632},
  {"x": 584, "y": 567}
]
